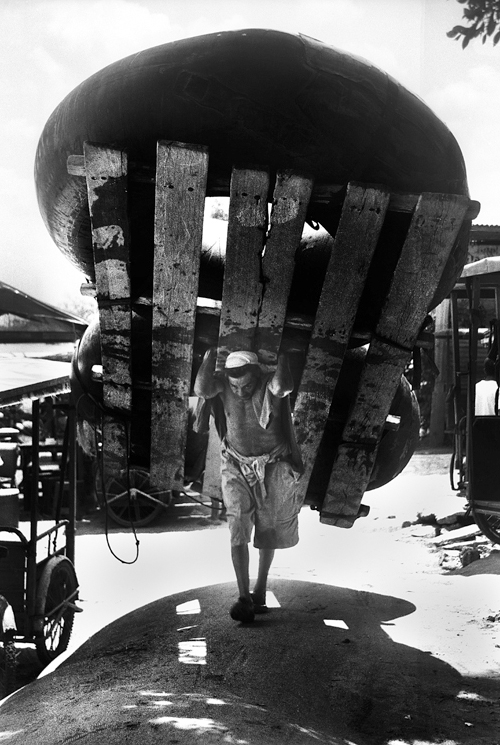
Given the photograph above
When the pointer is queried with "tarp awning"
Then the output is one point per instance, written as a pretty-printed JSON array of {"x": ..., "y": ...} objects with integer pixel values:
[
  {"x": 62, "y": 351},
  {"x": 25, "y": 378},
  {"x": 485, "y": 266},
  {"x": 20, "y": 304}
]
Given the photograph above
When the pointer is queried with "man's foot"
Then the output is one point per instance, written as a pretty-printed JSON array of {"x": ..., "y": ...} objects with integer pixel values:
[
  {"x": 243, "y": 610},
  {"x": 259, "y": 603}
]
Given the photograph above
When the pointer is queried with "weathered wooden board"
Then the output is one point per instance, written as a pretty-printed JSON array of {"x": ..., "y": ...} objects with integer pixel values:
[
  {"x": 361, "y": 220},
  {"x": 212, "y": 487},
  {"x": 106, "y": 175},
  {"x": 431, "y": 235},
  {"x": 322, "y": 192},
  {"x": 242, "y": 290},
  {"x": 290, "y": 201},
  {"x": 181, "y": 176}
]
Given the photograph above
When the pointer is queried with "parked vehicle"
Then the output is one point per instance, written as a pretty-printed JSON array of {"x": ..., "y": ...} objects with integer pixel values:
[{"x": 475, "y": 465}]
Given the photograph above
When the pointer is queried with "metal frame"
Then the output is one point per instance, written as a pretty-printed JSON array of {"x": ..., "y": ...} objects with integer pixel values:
[
  {"x": 30, "y": 621},
  {"x": 478, "y": 276}
]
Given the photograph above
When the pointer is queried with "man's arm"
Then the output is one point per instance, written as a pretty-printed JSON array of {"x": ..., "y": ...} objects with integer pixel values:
[
  {"x": 207, "y": 385},
  {"x": 281, "y": 384}
]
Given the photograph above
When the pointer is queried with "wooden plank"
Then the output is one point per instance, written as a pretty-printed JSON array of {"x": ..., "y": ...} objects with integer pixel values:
[
  {"x": 432, "y": 233},
  {"x": 179, "y": 207},
  {"x": 290, "y": 201},
  {"x": 451, "y": 536},
  {"x": 322, "y": 192},
  {"x": 242, "y": 290},
  {"x": 361, "y": 220},
  {"x": 106, "y": 174},
  {"x": 211, "y": 478}
]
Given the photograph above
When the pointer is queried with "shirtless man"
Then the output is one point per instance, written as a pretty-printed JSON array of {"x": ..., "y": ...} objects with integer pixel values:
[{"x": 260, "y": 466}]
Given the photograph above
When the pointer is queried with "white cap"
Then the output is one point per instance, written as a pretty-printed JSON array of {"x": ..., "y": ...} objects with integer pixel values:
[{"x": 239, "y": 359}]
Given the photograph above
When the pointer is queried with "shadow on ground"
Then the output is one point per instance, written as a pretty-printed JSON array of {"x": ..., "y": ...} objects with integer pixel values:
[
  {"x": 318, "y": 668},
  {"x": 488, "y": 565},
  {"x": 183, "y": 514}
]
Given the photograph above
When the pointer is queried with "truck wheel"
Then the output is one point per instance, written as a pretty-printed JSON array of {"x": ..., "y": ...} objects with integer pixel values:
[
  {"x": 132, "y": 500},
  {"x": 489, "y": 525}
]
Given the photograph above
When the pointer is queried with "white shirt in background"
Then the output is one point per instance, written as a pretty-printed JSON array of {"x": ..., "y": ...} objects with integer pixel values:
[{"x": 485, "y": 397}]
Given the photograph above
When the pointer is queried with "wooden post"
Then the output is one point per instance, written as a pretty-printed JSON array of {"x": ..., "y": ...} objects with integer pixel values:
[
  {"x": 35, "y": 475},
  {"x": 181, "y": 179},
  {"x": 211, "y": 478},
  {"x": 442, "y": 336},
  {"x": 474, "y": 292},
  {"x": 73, "y": 485}
]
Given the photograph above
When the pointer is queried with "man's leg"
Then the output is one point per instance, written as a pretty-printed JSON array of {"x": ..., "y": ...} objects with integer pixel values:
[
  {"x": 243, "y": 609},
  {"x": 241, "y": 560},
  {"x": 266, "y": 556},
  {"x": 238, "y": 500}
]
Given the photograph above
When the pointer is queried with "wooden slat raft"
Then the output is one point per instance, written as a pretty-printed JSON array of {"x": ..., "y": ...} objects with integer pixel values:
[
  {"x": 218, "y": 185},
  {"x": 432, "y": 233},
  {"x": 106, "y": 173},
  {"x": 361, "y": 220},
  {"x": 263, "y": 283},
  {"x": 260, "y": 261}
]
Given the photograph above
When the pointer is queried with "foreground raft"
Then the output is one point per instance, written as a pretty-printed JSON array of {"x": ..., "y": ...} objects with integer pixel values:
[{"x": 293, "y": 132}]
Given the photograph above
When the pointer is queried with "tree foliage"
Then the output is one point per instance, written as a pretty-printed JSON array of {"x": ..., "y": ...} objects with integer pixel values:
[{"x": 483, "y": 17}]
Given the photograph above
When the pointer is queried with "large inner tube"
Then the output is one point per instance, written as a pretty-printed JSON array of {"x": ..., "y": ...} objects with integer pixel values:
[{"x": 253, "y": 97}]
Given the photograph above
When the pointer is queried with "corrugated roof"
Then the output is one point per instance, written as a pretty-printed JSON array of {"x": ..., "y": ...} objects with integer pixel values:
[
  {"x": 18, "y": 303},
  {"x": 485, "y": 233}
]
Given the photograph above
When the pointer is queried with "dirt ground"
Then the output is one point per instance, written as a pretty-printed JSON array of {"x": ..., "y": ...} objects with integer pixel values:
[{"x": 376, "y": 635}]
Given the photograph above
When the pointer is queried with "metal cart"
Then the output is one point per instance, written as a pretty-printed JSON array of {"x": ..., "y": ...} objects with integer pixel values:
[
  {"x": 38, "y": 582},
  {"x": 475, "y": 467}
]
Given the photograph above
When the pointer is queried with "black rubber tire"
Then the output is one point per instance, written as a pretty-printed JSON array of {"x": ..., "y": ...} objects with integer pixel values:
[
  {"x": 58, "y": 583},
  {"x": 10, "y": 665},
  {"x": 251, "y": 96},
  {"x": 128, "y": 498},
  {"x": 488, "y": 524}
]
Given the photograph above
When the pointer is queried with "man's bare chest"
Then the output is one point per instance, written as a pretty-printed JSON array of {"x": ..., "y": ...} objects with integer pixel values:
[{"x": 244, "y": 431}]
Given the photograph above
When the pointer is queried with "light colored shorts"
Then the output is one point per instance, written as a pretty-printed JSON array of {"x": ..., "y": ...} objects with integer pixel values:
[{"x": 274, "y": 516}]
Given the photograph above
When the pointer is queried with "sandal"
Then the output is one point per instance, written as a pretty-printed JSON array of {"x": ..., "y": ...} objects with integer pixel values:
[
  {"x": 259, "y": 603},
  {"x": 242, "y": 610}
]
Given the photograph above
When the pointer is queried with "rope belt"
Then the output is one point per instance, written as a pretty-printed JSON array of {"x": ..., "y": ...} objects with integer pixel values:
[{"x": 253, "y": 467}]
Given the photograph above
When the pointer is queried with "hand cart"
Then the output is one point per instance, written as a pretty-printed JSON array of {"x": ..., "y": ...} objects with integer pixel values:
[
  {"x": 38, "y": 583},
  {"x": 475, "y": 305}
]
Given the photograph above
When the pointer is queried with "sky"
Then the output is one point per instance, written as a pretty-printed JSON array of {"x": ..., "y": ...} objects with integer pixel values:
[{"x": 48, "y": 47}]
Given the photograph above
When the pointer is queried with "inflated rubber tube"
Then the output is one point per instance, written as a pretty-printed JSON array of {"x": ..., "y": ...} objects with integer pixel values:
[{"x": 253, "y": 97}]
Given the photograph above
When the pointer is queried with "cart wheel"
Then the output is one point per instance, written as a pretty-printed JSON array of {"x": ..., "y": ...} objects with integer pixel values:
[
  {"x": 10, "y": 663},
  {"x": 56, "y": 595},
  {"x": 488, "y": 524},
  {"x": 131, "y": 500}
]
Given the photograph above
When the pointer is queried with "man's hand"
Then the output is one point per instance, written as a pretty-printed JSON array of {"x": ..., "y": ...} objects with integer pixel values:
[
  {"x": 211, "y": 353},
  {"x": 207, "y": 385},
  {"x": 281, "y": 384}
]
